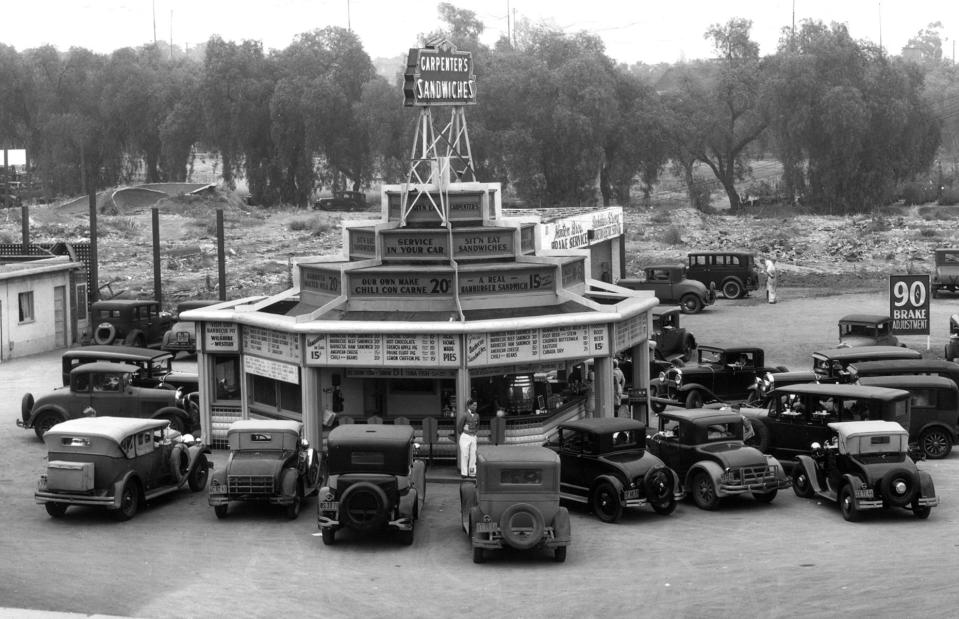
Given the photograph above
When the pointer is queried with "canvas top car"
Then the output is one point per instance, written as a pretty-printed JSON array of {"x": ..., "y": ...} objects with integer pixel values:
[
  {"x": 118, "y": 463},
  {"x": 133, "y": 322},
  {"x": 734, "y": 273},
  {"x": 830, "y": 365},
  {"x": 605, "y": 464},
  {"x": 946, "y": 274},
  {"x": 866, "y": 330}
]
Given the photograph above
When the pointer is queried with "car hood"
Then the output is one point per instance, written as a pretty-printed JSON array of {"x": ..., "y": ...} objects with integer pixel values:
[
  {"x": 948, "y": 274},
  {"x": 256, "y": 462},
  {"x": 733, "y": 454},
  {"x": 632, "y": 464}
]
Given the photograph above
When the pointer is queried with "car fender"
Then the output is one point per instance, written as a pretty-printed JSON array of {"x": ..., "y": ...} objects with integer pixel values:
[
  {"x": 854, "y": 481},
  {"x": 710, "y": 468},
  {"x": 120, "y": 483},
  {"x": 407, "y": 503},
  {"x": 772, "y": 461},
  {"x": 132, "y": 336},
  {"x": 620, "y": 488},
  {"x": 812, "y": 474},
  {"x": 55, "y": 409},
  {"x": 288, "y": 480},
  {"x": 706, "y": 391},
  {"x": 173, "y": 411},
  {"x": 936, "y": 424},
  {"x": 926, "y": 488},
  {"x": 561, "y": 529}
]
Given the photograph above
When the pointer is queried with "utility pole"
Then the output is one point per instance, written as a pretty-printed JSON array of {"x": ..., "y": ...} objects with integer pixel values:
[
  {"x": 509, "y": 35},
  {"x": 171, "y": 34},
  {"x": 348, "y": 23},
  {"x": 154, "y": 23}
]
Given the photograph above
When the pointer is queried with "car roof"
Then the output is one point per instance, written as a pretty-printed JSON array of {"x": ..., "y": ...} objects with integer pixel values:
[
  {"x": 117, "y": 352},
  {"x": 265, "y": 425},
  {"x": 719, "y": 252},
  {"x": 104, "y": 366},
  {"x": 124, "y": 302},
  {"x": 844, "y": 390},
  {"x": 518, "y": 454},
  {"x": 602, "y": 425},
  {"x": 946, "y": 250},
  {"x": 114, "y": 428},
  {"x": 905, "y": 365},
  {"x": 909, "y": 381},
  {"x": 664, "y": 266},
  {"x": 870, "y": 318},
  {"x": 865, "y": 352},
  {"x": 702, "y": 415},
  {"x": 366, "y": 433},
  {"x": 858, "y": 428}
]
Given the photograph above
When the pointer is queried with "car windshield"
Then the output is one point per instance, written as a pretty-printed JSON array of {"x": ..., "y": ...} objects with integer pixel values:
[
  {"x": 716, "y": 432},
  {"x": 707, "y": 356},
  {"x": 947, "y": 258}
]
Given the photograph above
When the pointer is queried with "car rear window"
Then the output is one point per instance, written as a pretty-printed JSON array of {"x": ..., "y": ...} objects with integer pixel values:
[
  {"x": 521, "y": 476},
  {"x": 367, "y": 458}
]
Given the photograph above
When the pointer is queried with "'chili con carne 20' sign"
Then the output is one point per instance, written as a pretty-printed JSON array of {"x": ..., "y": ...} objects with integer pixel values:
[{"x": 439, "y": 75}]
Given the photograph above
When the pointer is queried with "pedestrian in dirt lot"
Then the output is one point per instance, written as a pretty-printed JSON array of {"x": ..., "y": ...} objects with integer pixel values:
[
  {"x": 467, "y": 425},
  {"x": 771, "y": 277}
]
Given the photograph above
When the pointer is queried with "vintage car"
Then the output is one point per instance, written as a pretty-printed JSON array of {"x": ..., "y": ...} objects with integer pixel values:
[
  {"x": 672, "y": 340},
  {"x": 797, "y": 415},
  {"x": 952, "y": 347},
  {"x": 118, "y": 463},
  {"x": 946, "y": 275},
  {"x": 830, "y": 365},
  {"x": 759, "y": 394},
  {"x": 182, "y": 335},
  {"x": 866, "y": 330},
  {"x": 721, "y": 375},
  {"x": 734, "y": 273},
  {"x": 934, "y": 410},
  {"x": 514, "y": 502},
  {"x": 898, "y": 367},
  {"x": 705, "y": 447},
  {"x": 373, "y": 481},
  {"x": 156, "y": 366},
  {"x": 133, "y": 322},
  {"x": 342, "y": 200},
  {"x": 670, "y": 285},
  {"x": 865, "y": 465},
  {"x": 106, "y": 389},
  {"x": 269, "y": 462},
  {"x": 605, "y": 464}
]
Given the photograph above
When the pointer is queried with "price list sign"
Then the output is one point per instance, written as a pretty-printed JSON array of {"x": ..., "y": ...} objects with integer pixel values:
[
  {"x": 564, "y": 342},
  {"x": 354, "y": 349},
  {"x": 271, "y": 343},
  {"x": 630, "y": 332},
  {"x": 379, "y": 350},
  {"x": 512, "y": 346}
]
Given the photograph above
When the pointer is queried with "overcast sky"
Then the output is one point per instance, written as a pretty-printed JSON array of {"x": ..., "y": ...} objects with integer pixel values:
[{"x": 633, "y": 30}]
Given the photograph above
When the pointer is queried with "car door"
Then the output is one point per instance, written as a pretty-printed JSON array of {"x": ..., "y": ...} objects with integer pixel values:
[
  {"x": 572, "y": 478},
  {"x": 108, "y": 397},
  {"x": 667, "y": 444},
  {"x": 658, "y": 281}
]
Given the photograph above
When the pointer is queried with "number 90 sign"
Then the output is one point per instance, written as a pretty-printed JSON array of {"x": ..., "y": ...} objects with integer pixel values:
[{"x": 909, "y": 304}]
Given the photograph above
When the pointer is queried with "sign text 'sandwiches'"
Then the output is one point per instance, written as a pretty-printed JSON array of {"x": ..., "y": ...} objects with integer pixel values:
[{"x": 439, "y": 75}]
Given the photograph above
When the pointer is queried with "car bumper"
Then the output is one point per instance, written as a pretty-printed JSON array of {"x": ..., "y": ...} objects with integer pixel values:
[
  {"x": 640, "y": 502},
  {"x": 22, "y": 424},
  {"x": 45, "y": 496},
  {"x": 490, "y": 537},
  {"x": 766, "y": 485}
]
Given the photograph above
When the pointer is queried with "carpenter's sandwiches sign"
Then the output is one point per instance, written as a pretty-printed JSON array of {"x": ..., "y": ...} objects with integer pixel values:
[{"x": 439, "y": 75}]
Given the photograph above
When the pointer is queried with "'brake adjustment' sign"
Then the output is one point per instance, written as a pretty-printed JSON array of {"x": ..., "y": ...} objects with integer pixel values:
[{"x": 909, "y": 304}]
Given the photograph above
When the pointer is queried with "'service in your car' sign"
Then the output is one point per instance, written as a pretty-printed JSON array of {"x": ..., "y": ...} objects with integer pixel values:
[{"x": 439, "y": 75}]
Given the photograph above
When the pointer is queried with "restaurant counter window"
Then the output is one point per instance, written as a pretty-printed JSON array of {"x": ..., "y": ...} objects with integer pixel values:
[
  {"x": 26, "y": 306},
  {"x": 226, "y": 372},
  {"x": 274, "y": 396}
]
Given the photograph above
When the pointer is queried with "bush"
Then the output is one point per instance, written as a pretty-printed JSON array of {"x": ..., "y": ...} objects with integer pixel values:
[
  {"x": 700, "y": 194},
  {"x": 918, "y": 193},
  {"x": 661, "y": 217},
  {"x": 315, "y": 225},
  {"x": 672, "y": 236},
  {"x": 950, "y": 197}
]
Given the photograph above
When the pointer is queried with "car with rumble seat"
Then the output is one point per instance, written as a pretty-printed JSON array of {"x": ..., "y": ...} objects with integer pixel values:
[
  {"x": 515, "y": 502},
  {"x": 604, "y": 464},
  {"x": 374, "y": 481},
  {"x": 269, "y": 462},
  {"x": 107, "y": 389},
  {"x": 670, "y": 285},
  {"x": 705, "y": 447},
  {"x": 864, "y": 466},
  {"x": 118, "y": 463}
]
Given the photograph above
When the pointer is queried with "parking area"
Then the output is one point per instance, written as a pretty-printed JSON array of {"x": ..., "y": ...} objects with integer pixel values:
[{"x": 792, "y": 557}]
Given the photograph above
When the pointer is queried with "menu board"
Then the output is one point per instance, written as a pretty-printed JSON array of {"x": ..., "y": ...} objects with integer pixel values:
[
  {"x": 536, "y": 345},
  {"x": 377, "y": 284},
  {"x": 379, "y": 349},
  {"x": 287, "y": 372},
  {"x": 320, "y": 279},
  {"x": 630, "y": 332},
  {"x": 271, "y": 343},
  {"x": 502, "y": 281},
  {"x": 362, "y": 242}
]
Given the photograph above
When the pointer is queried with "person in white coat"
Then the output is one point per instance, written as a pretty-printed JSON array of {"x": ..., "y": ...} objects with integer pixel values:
[{"x": 771, "y": 278}]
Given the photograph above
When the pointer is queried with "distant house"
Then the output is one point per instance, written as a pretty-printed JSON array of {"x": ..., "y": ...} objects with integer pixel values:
[{"x": 43, "y": 304}]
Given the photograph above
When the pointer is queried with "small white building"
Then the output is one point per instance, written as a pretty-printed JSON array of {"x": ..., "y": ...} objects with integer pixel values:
[{"x": 37, "y": 305}]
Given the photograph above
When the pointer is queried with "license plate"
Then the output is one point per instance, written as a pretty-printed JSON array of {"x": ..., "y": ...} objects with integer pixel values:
[
  {"x": 329, "y": 506},
  {"x": 485, "y": 527},
  {"x": 632, "y": 494}
]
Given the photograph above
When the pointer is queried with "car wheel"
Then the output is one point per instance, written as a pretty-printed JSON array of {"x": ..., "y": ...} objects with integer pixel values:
[
  {"x": 658, "y": 484},
  {"x": 293, "y": 509},
  {"x": 56, "y": 510},
  {"x": 691, "y": 304},
  {"x": 129, "y": 501},
  {"x": 478, "y": 555},
  {"x": 899, "y": 487},
  {"x": 44, "y": 422},
  {"x": 732, "y": 289},
  {"x": 200, "y": 473},
  {"x": 657, "y": 407},
  {"x": 694, "y": 399},
  {"x": 26, "y": 406},
  {"x": 919, "y": 511},
  {"x": 559, "y": 554},
  {"x": 847, "y": 505},
  {"x": 704, "y": 492},
  {"x": 221, "y": 510},
  {"x": 363, "y": 506},
  {"x": 801, "y": 484},
  {"x": 522, "y": 526},
  {"x": 606, "y": 503},
  {"x": 329, "y": 536},
  {"x": 765, "y": 497},
  {"x": 105, "y": 333},
  {"x": 936, "y": 443}
]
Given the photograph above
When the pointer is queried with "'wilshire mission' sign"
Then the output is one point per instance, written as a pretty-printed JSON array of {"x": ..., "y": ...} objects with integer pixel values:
[{"x": 439, "y": 75}]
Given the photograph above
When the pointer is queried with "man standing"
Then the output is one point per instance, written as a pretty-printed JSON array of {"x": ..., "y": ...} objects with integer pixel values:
[
  {"x": 619, "y": 385},
  {"x": 467, "y": 425},
  {"x": 771, "y": 279}
]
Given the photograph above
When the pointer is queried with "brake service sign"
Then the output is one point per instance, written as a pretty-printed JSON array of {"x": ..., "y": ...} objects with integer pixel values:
[{"x": 909, "y": 304}]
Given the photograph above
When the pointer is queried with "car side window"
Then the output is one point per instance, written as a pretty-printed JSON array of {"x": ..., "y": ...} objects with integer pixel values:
[
  {"x": 144, "y": 442},
  {"x": 81, "y": 383},
  {"x": 128, "y": 446}
]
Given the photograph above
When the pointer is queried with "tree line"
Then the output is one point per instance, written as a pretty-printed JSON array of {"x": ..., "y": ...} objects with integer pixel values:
[{"x": 557, "y": 122}]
